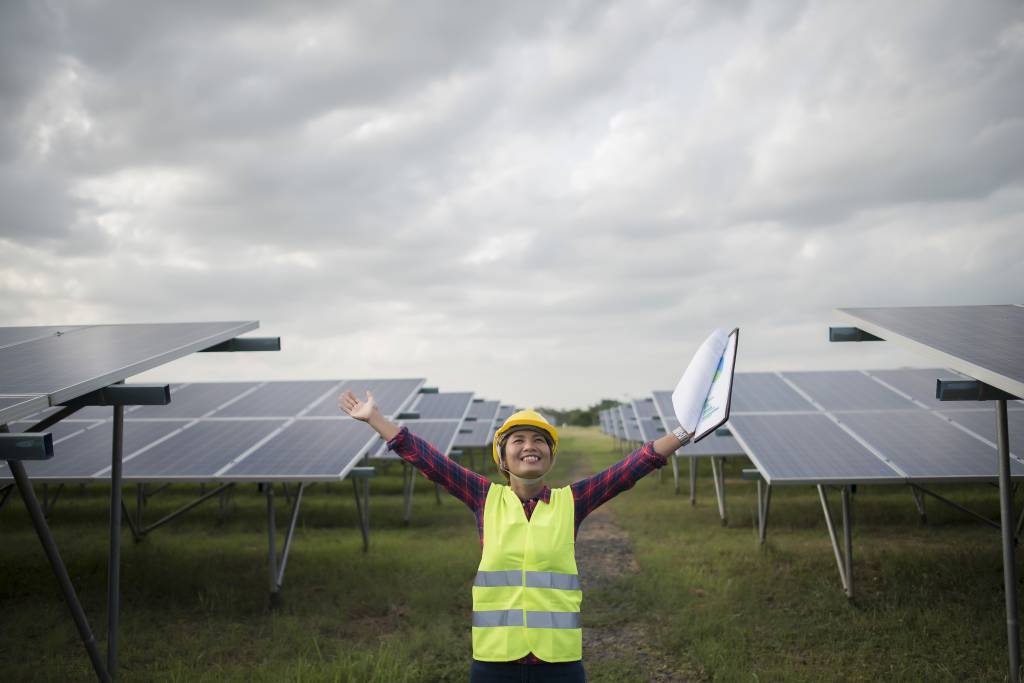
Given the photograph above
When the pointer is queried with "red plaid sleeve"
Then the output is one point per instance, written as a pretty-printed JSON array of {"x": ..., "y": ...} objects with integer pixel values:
[
  {"x": 592, "y": 492},
  {"x": 463, "y": 483}
]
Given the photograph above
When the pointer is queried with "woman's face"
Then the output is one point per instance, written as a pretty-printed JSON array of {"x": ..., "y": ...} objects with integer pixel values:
[{"x": 527, "y": 454}]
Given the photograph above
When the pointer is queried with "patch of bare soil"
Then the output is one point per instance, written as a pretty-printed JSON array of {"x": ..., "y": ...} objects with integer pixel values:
[{"x": 604, "y": 553}]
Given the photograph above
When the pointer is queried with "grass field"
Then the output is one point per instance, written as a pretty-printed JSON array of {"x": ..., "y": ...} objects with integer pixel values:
[{"x": 929, "y": 603}]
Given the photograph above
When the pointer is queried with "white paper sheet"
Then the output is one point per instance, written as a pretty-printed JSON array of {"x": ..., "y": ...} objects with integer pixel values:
[
  {"x": 717, "y": 401},
  {"x": 692, "y": 390}
]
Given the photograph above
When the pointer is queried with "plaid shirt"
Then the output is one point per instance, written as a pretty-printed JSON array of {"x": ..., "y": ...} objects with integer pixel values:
[{"x": 471, "y": 488}]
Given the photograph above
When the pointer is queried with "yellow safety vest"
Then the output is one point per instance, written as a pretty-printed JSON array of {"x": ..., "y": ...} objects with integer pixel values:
[{"x": 526, "y": 596}]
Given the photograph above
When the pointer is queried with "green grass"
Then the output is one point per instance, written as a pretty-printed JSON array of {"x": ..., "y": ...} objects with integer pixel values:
[{"x": 929, "y": 602}]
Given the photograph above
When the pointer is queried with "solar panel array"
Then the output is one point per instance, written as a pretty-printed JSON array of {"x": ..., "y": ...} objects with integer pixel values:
[
  {"x": 840, "y": 426},
  {"x": 230, "y": 431}
]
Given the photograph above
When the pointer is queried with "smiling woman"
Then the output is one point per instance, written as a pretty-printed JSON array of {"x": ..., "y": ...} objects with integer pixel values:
[{"x": 527, "y": 594}]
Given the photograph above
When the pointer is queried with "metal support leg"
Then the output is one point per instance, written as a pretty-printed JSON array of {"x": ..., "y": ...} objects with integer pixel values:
[
  {"x": 132, "y": 527},
  {"x": 675, "y": 472},
  {"x": 5, "y": 494},
  {"x": 718, "y": 474},
  {"x": 919, "y": 502},
  {"x": 271, "y": 544},
  {"x": 28, "y": 496},
  {"x": 693, "y": 482},
  {"x": 848, "y": 538},
  {"x": 1009, "y": 553},
  {"x": 363, "y": 509},
  {"x": 114, "y": 569},
  {"x": 764, "y": 498},
  {"x": 184, "y": 508},
  {"x": 409, "y": 482},
  {"x": 140, "y": 502},
  {"x": 841, "y": 563},
  {"x": 437, "y": 493}
]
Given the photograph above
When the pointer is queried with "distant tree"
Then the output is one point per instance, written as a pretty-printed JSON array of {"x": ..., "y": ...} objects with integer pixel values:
[{"x": 580, "y": 417}]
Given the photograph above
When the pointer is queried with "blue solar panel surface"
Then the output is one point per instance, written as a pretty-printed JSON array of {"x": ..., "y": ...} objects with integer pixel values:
[
  {"x": 760, "y": 391},
  {"x": 66, "y": 366},
  {"x": 846, "y": 390},
  {"x": 983, "y": 423},
  {"x": 307, "y": 450},
  {"x": 801, "y": 449},
  {"x": 926, "y": 447},
  {"x": 279, "y": 399},
  {"x": 988, "y": 339},
  {"x": 443, "y": 405}
]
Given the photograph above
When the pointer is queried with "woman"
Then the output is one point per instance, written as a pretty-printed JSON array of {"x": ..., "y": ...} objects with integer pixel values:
[{"x": 526, "y": 595}]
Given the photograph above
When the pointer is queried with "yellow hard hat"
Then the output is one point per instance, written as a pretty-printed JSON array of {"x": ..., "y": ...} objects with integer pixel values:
[{"x": 523, "y": 418}]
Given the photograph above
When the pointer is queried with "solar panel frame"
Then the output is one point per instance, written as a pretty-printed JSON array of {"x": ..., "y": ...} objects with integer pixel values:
[
  {"x": 444, "y": 405},
  {"x": 88, "y": 358},
  {"x": 982, "y": 342}
]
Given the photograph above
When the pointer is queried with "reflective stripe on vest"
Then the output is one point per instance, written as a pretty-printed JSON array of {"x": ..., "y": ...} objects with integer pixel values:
[
  {"x": 514, "y": 577},
  {"x": 496, "y": 618}
]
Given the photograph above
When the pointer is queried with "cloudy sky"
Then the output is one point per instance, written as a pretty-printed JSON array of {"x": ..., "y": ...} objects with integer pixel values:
[{"x": 545, "y": 202}]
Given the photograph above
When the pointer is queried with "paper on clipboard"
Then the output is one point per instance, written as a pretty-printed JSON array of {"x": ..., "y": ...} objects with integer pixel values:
[{"x": 701, "y": 398}]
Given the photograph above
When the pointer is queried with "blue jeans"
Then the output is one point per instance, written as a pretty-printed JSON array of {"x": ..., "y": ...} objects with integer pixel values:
[{"x": 510, "y": 672}]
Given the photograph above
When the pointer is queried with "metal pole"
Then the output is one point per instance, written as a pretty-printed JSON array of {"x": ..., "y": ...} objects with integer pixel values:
[
  {"x": 832, "y": 535},
  {"x": 271, "y": 543},
  {"x": 693, "y": 482},
  {"x": 114, "y": 568},
  {"x": 1009, "y": 555},
  {"x": 848, "y": 539},
  {"x": 53, "y": 555},
  {"x": 763, "y": 516}
]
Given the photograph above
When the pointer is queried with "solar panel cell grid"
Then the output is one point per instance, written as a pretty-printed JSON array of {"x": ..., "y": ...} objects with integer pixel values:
[
  {"x": 283, "y": 399},
  {"x": 198, "y": 451},
  {"x": 484, "y": 410},
  {"x": 196, "y": 400},
  {"x": 926, "y": 447},
  {"x": 983, "y": 423},
  {"x": 307, "y": 449},
  {"x": 823, "y": 453},
  {"x": 443, "y": 406},
  {"x": 392, "y": 395},
  {"x": 846, "y": 390},
  {"x": 87, "y": 453},
  {"x": 761, "y": 391}
]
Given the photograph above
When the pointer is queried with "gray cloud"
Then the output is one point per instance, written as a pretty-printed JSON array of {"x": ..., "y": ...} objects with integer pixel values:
[{"x": 543, "y": 202}]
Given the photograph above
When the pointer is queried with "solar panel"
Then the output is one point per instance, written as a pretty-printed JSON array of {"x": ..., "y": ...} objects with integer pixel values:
[
  {"x": 983, "y": 423},
  {"x": 15, "y": 406},
  {"x": 275, "y": 399},
  {"x": 846, "y": 390},
  {"x": 19, "y": 335},
  {"x": 807, "y": 449},
  {"x": 503, "y": 413},
  {"x": 712, "y": 445},
  {"x": 983, "y": 342},
  {"x": 196, "y": 400},
  {"x": 66, "y": 366},
  {"x": 918, "y": 383},
  {"x": 438, "y": 433},
  {"x": 927, "y": 448},
  {"x": 307, "y": 450},
  {"x": 630, "y": 423},
  {"x": 645, "y": 408},
  {"x": 761, "y": 391},
  {"x": 443, "y": 405},
  {"x": 88, "y": 453},
  {"x": 392, "y": 395},
  {"x": 484, "y": 410},
  {"x": 199, "y": 451},
  {"x": 475, "y": 434}
]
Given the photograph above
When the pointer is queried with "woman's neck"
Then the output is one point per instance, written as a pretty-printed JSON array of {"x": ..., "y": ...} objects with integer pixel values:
[{"x": 526, "y": 490}]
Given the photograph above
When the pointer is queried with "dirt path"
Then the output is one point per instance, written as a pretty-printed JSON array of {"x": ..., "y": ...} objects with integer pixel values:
[{"x": 604, "y": 554}]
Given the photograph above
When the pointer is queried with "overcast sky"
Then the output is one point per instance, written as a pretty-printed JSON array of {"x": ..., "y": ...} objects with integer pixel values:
[{"x": 544, "y": 202}]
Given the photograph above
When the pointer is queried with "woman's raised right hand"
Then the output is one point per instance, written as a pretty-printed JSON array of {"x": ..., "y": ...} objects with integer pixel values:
[{"x": 360, "y": 410}]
